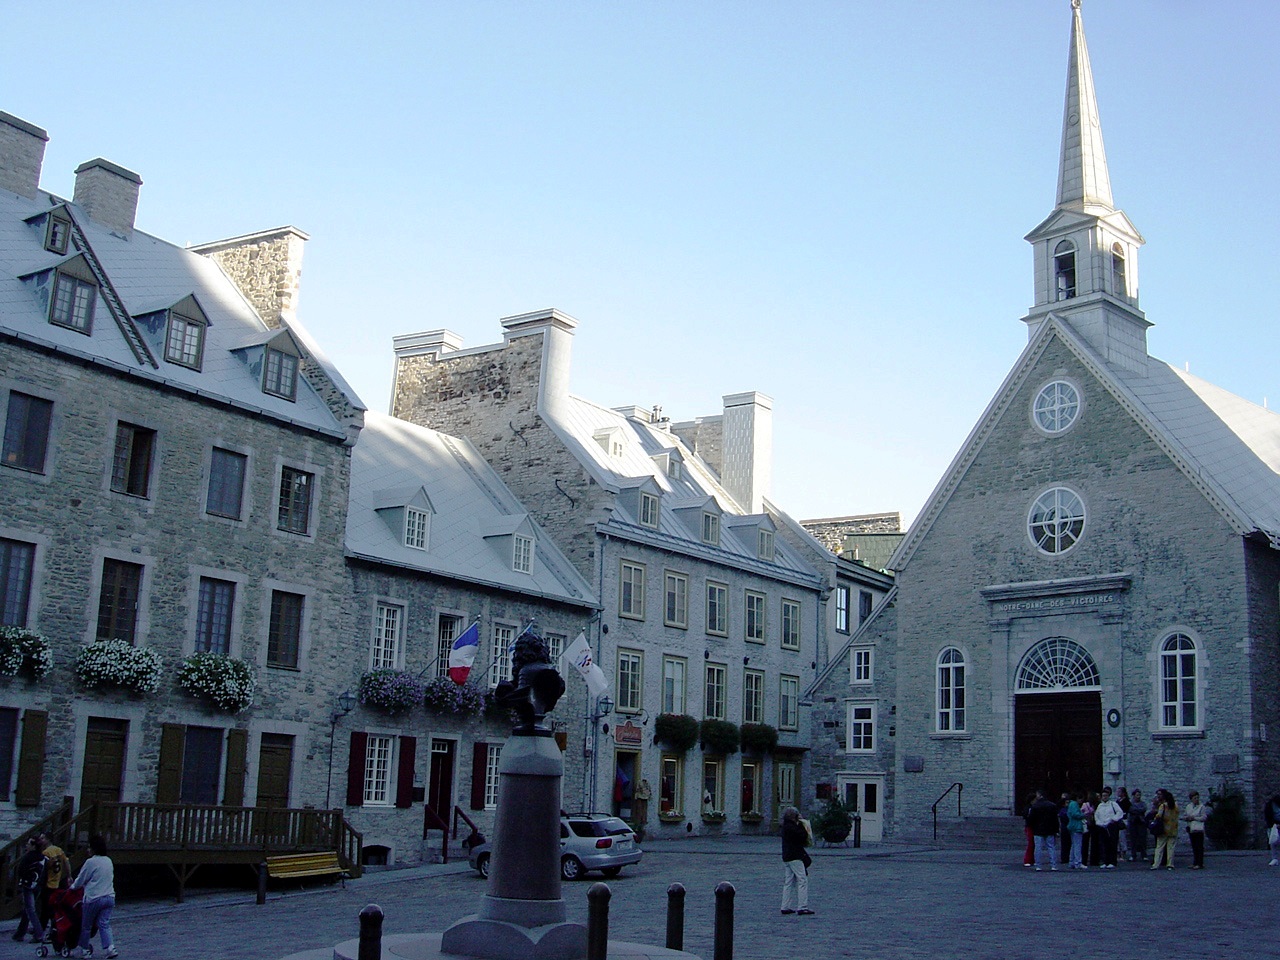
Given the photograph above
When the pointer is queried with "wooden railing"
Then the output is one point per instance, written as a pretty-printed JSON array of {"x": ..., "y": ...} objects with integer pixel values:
[{"x": 55, "y": 824}]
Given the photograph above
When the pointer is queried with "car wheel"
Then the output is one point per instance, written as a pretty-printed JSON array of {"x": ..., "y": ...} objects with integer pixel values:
[
  {"x": 611, "y": 872},
  {"x": 571, "y": 868},
  {"x": 482, "y": 865}
]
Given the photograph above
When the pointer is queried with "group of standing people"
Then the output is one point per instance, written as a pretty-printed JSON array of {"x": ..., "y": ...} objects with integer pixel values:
[
  {"x": 1093, "y": 827},
  {"x": 44, "y": 869}
]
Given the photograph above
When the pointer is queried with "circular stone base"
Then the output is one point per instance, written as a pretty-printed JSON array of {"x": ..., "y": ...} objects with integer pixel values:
[{"x": 426, "y": 946}]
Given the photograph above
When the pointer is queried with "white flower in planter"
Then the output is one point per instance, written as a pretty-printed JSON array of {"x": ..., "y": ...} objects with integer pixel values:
[
  {"x": 118, "y": 663},
  {"x": 226, "y": 681}
]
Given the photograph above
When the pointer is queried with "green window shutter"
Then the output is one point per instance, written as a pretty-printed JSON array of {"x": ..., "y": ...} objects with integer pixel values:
[
  {"x": 31, "y": 758},
  {"x": 237, "y": 760},
  {"x": 173, "y": 738}
]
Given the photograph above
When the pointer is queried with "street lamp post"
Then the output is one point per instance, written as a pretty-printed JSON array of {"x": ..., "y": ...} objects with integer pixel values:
[{"x": 346, "y": 703}]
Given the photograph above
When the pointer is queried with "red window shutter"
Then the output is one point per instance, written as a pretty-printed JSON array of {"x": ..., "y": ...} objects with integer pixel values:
[
  {"x": 404, "y": 773},
  {"x": 479, "y": 764},
  {"x": 355, "y": 769}
]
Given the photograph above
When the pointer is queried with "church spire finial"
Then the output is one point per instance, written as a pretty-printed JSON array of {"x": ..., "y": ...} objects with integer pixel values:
[{"x": 1083, "y": 181}]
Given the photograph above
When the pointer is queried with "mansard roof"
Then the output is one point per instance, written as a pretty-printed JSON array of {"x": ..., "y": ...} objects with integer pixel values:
[
  {"x": 137, "y": 277},
  {"x": 395, "y": 462},
  {"x": 1226, "y": 446}
]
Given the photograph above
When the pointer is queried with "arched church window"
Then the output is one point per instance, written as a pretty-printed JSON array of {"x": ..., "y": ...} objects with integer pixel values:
[
  {"x": 1057, "y": 664},
  {"x": 1119, "y": 284},
  {"x": 1056, "y": 521},
  {"x": 1056, "y": 406},
  {"x": 951, "y": 698},
  {"x": 1179, "y": 699},
  {"x": 1064, "y": 270}
]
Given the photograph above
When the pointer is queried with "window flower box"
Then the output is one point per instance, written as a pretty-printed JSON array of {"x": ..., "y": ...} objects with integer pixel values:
[
  {"x": 391, "y": 691},
  {"x": 118, "y": 663},
  {"x": 24, "y": 651},
  {"x": 443, "y": 696},
  {"x": 752, "y": 818},
  {"x": 678, "y": 732},
  {"x": 713, "y": 816},
  {"x": 226, "y": 682},
  {"x": 671, "y": 817}
]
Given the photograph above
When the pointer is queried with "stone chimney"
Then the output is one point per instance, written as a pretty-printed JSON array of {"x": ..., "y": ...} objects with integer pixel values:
[
  {"x": 21, "y": 156},
  {"x": 746, "y": 470},
  {"x": 108, "y": 194},
  {"x": 557, "y": 350},
  {"x": 266, "y": 267},
  {"x": 438, "y": 342}
]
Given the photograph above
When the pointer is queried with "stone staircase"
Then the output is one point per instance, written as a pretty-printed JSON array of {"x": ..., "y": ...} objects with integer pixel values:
[{"x": 1000, "y": 832}]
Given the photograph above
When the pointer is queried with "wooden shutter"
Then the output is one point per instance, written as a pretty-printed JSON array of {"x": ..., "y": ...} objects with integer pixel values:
[
  {"x": 479, "y": 767},
  {"x": 173, "y": 743},
  {"x": 31, "y": 758},
  {"x": 355, "y": 769},
  {"x": 404, "y": 773},
  {"x": 8, "y": 748},
  {"x": 237, "y": 759}
]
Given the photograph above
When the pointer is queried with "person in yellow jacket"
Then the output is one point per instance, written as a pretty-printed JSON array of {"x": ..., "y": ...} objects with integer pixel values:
[
  {"x": 57, "y": 874},
  {"x": 1167, "y": 814}
]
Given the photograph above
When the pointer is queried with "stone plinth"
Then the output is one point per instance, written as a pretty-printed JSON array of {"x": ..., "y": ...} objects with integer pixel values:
[{"x": 427, "y": 947}]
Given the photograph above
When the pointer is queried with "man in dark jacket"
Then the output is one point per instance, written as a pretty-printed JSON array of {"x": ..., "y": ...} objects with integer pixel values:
[
  {"x": 30, "y": 879},
  {"x": 795, "y": 863},
  {"x": 1043, "y": 820}
]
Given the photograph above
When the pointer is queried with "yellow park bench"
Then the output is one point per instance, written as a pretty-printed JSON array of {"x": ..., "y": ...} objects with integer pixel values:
[{"x": 291, "y": 866}]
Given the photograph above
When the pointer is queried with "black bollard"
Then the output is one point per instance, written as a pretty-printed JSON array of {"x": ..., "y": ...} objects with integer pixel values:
[
  {"x": 370, "y": 933},
  {"x": 598, "y": 921},
  {"x": 262, "y": 883},
  {"x": 857, "y": 830},
  {"x": 724, "y": 921},
  {"x": 675, "y": 917}
]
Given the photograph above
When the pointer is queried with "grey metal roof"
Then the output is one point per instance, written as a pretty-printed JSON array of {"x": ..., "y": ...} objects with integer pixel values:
[
  {"x": 145, "y": 271},
  {"x": 469, "y": 502}
]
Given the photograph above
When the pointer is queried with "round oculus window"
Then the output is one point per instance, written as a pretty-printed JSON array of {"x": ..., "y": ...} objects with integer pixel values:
[
  {"x": 1056, "y": 406},
  {"x": 1056, "y": 520}
]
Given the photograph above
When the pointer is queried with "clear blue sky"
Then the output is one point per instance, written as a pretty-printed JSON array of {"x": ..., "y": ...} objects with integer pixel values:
[{"x": 822, "y": 201}]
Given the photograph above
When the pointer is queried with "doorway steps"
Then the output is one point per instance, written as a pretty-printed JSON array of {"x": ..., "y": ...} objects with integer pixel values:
[{"x": 998, "y": 832}]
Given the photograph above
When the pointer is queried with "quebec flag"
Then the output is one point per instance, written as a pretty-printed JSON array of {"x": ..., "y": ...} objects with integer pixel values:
[
  {"x": 463, "y": 654},
  {"x": 579, "y": 654}
]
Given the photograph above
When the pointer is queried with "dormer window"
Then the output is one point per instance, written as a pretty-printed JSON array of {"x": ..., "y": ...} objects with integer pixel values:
[
  {"x": 57, "y": 235},
  {"x": 610, "y": 440},
  {"x": 711, "y": 529},
  {"x": 675, "y": 468},
  {"x": 184, "y": 343},
  {"x": 1119, "y": 284},
  {"x": 766, "y": 544},
  {"x": 521, "y": 554},
  {"x": 648, "y": 510},
  {"x": 280, "y": 374},
  {"x": 72, "y": 305},
  {"x": 1064, "y": 270},
  {"x": 417, "y": 528}
]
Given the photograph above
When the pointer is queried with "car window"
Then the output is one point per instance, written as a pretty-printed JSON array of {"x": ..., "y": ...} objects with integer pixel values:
[
  {"x": 584, "y": 828},
  {"x": 564, "y": 831}
]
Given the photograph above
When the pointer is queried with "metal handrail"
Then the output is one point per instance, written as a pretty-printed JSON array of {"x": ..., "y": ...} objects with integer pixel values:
[{"x": 958, "y": 787}]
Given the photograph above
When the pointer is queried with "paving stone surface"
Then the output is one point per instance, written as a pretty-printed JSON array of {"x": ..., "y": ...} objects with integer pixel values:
[{"x": 896, "y": 903}]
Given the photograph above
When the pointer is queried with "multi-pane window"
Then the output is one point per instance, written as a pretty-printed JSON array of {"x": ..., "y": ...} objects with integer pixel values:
[
  {"x": 446, "y": 633},
  {"x": 1178, "y": 694},
  {"x": 860, "y": 666},
  {"x": 57, "y": 235},
  {"x": 755, "y": 616},
  {"x": 951, "y": 698},
  {"x": 131, "y": 463},
  {"x": 1056, "y": 406},
  {"x": 118, "y": 600},
  {"x": 201, "y": 764},
  {"x": 671, "y": 785},
  {"x": 789, "y": 703},
  {"x": 280, "y": 376},
  {"x": 73, "y": 301},
  {"x": 521, "y": 554},
  {"x": 630, "y": 679},
  {"x": 751, "y": 787},
  {"x": 713, "y": 786},
  {"x": 674, "y": 671},
  {"x": 865, "y": 600},
  {"x": 16, "y": 562},
  {"x": 717, "y": 608},
  {"x": 631, "y": 590},
  {"x": 213, "y": 615},
  {"x": 504, "y": 635},
  {"x": 676, "y": 610},
  {"x": 294, "y": 510},
  {"x": 753, "y": 696},
  {"x": 713, "y": 707},
  {"x": 555, "y": 647},
  {"x": 1056, "y": 520},
  {"x": 842, "y": 609},
  {"x": 790, "y": 625},
  {"x": 185, "y": 342},
  {"x": 862, "y": 727},
  {"x": 284, "y": 635},
  {"x": 493, "y": 754},
  {"x": 377, "y": 770},
  {"x": 711, "y": 528},
  {"x": 1064, "y": 270},
  {"x": 417, "y": 528},
  {"x": 765, "y": 545},
  {"x": 227, "y": 471},
  {"x": 648, "y": 509},
  {"x": 1119, "y": 286},
  {"x": 388, "y": 631},
  {"x": 26, "y": 432}
]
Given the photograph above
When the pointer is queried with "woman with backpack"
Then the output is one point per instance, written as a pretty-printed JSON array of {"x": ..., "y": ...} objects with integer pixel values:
[{"x": 30, "y": 878}]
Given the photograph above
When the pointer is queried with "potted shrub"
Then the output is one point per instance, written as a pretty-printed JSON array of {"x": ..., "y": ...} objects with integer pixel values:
[
  {"x": 24, "y": 651},
  {"x": 719, "y": 736},
  {"x": 118, "y": 663},
  {"x": 443, "y": 696},
  {"x": 833, "y": 824},
  {"x": 391, "y": 691},
  {"x": 678, "y": 732},
  {"x": 227, "y": 682},
  {"x": 758, "y": 738}
]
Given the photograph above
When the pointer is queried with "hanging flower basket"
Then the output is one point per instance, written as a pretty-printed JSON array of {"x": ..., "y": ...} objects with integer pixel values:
[
  {"x": 118, "y": 663},
  {"x": 225, "y": 681},
  {"x": 719, "y": 736},
  {"x": 758, "y": 738},
  {"x": 24, "y": 651},
  {"x": 391, "y": 691},
  {"x": 443, "y": 696},
  {"x": 676, "y": 731}
]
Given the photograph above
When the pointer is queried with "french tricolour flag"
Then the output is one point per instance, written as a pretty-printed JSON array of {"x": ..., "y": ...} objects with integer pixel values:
[{"x": 463, "y": 654}]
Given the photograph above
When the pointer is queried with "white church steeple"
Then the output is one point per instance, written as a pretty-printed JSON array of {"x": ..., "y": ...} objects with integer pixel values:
[{"x": 1086, "y": 251}]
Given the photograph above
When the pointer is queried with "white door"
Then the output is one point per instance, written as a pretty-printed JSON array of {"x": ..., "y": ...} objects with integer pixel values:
[{"x": 864, "y": 795}]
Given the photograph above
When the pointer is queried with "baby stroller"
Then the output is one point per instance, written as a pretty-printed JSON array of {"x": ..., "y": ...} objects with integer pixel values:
[{"x": 65, "y": 910}]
